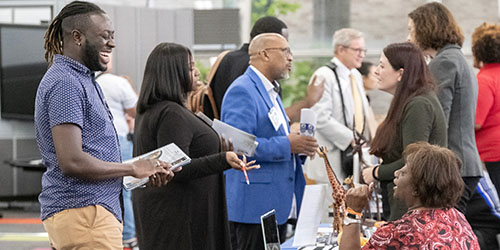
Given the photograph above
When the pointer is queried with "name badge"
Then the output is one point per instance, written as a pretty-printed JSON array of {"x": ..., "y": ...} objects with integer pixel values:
[{"x": 273, "y": 117}]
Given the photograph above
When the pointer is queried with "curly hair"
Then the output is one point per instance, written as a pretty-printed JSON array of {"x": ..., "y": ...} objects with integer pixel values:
[
  {"x": 486, "y": 44},
  {"x": 436, "y": 176},
  {"x": 435, "y": 26}
]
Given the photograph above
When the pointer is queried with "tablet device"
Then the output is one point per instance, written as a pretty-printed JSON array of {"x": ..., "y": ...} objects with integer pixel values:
[{"x": 270, "y": 231}]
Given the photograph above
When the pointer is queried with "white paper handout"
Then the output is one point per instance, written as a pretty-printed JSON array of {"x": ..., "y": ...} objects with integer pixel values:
[
  {"x": 310, "y": 215},
  {"x": 169, "y": 153},
  {"x": 243, "y": 142}
]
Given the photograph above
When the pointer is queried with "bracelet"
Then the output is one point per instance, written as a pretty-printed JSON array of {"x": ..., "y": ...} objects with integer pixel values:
[
  {"x": 351, "y": 211},
  {"x": 348, "y": 221},
  {"x": 373, "y": 172}
]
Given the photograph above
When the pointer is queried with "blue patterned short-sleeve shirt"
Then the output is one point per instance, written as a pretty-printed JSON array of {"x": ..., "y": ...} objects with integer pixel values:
[{"x": 68, "y": 93}]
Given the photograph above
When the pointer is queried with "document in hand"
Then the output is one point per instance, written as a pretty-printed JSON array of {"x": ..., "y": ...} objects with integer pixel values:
[
  {"x": 243, "y": 142},
  {"x": 169, "y": 153}
]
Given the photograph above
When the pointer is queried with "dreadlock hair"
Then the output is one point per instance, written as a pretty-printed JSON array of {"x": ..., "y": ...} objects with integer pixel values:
[{"x": 77, "y": 13}]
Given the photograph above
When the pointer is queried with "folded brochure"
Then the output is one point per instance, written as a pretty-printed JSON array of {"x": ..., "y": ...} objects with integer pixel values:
[
  {"x": 243, "y": 142},
  {"x": 168, "y": 153}
]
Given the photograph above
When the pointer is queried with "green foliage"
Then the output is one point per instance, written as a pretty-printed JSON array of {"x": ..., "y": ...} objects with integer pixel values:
[
  {"x": 261, "y": 8},
  {"x": 295, "y": 88},
  {"x": 203, "y": 71}
]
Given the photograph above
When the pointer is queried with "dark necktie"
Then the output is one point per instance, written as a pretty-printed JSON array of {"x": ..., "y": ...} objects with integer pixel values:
[{"x": 277, "y": 87}]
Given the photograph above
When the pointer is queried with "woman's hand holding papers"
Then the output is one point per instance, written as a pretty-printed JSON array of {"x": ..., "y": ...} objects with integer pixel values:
[
  {"x": 146, "y": 167},
  {"x": 226, "y": 144},
  {"x": 160, "y": 178}
]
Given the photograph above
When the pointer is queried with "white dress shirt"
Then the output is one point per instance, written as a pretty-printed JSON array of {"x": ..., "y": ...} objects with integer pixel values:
[
  {"x": 283, "y": 118},
  {"x": 273, "y": 95}
]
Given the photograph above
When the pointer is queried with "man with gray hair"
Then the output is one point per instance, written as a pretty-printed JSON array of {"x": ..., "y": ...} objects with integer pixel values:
[{"x": 342, "y": 107}]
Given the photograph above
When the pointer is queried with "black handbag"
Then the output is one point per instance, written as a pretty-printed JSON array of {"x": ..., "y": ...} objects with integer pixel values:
[{"x": 347, "y": 155}]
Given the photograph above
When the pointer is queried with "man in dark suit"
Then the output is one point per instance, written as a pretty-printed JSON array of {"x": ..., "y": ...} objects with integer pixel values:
[
  {"x": 235, "y": 63},
  {"x": 253, "y": 105}
]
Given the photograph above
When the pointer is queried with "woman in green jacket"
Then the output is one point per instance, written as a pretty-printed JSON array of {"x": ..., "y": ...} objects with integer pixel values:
[{"x": 415, "y": 114}]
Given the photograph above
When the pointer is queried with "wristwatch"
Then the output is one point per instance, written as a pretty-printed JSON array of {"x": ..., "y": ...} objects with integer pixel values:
[{"x": 351, "y": 219}]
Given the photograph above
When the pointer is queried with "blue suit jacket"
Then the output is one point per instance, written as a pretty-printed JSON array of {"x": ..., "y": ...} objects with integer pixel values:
[{"x": 246, "y": 105}]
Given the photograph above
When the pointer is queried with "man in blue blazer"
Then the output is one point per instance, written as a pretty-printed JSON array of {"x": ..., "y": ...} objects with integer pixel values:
[{"x": 252, "y": 104}]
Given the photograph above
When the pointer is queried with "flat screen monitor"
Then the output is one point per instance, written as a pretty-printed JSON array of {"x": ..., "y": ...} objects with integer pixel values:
[{"x": 22, "y": 66}]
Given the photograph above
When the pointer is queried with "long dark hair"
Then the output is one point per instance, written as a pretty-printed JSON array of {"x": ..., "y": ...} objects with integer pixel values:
[
  {"x": 416, "y": 80},
  {"x": 81, "y": 11},
  {"x": 167, "y": 76}
]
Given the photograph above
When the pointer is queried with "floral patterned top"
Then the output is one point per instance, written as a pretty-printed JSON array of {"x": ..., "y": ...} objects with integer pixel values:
[{"x": 426, "y": 229}]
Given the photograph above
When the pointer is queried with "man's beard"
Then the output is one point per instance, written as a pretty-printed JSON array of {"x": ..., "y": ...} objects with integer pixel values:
[
  {"x": 285, "y": 75},
  {"x": 90, "y": 58}
]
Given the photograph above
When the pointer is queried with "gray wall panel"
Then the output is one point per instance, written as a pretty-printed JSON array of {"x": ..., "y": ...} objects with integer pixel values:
[
  {"x": 166, "y": 25},
  {"x": 219, "y": 26},
  {"x": 28, "y": 182},
  {"x": 126, "y": 51},
  {"x": 6, "y": 171},
  {"x": 147, "y": 37},
  {"x": 184, "y": 28},
  {"x": 27, "y": 149}
]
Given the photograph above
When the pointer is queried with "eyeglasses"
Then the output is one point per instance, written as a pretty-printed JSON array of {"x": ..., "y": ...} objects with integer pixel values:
[
  {"x": 286, "y": 51},
  {"x": 357, "y": 50}
]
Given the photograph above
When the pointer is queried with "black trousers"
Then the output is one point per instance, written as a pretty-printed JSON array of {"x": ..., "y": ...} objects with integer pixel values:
[
  {"x": 494, "y": 172},
  {"x": 470, "y": 184},
  {"x": 249, "y": 236}
]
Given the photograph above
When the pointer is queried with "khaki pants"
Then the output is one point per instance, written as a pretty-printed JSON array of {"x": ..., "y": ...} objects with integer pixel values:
[{"x": 91, "y": 227}]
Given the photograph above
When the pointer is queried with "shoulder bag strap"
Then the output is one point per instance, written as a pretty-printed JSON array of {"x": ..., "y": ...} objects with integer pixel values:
[
  {"x": 210, "y": 76},
  {"x": 333, "y": 67},
  {"x": 214, "y": 68}
]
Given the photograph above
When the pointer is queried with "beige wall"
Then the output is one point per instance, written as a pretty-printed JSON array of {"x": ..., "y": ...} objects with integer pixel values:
[
  {"x": 385, "y": 21},
  {"x": 382, "y": 21}
]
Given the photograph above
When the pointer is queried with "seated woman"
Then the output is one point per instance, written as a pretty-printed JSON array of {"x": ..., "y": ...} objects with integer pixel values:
[
  {"x": 430, "y": 185},
  {"x": 190, "y": 212}
]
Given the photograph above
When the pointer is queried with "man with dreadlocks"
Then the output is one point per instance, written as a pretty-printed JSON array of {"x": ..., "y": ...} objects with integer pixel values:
[{"x": 81, "y": 189}]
